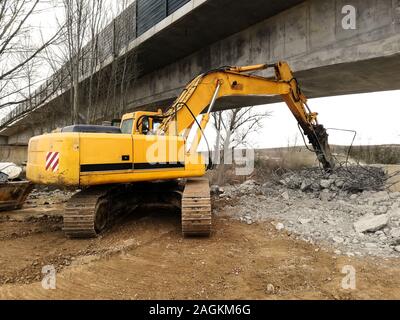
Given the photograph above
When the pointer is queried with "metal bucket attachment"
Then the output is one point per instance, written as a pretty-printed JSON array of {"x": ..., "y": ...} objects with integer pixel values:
[{"x": 13, "y": 194}]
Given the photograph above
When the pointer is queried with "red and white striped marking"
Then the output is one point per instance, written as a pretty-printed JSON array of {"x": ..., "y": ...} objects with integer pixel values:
[{"x": 52, "y": 161}]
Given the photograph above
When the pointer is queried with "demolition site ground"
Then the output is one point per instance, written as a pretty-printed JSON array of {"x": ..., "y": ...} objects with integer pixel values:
[{"x": 287, "y": 237}]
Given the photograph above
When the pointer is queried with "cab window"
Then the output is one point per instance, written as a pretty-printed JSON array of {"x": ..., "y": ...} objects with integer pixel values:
[
  {"x": 145, "y": 125},
  {"x": 126, "y": 126},
  {"x": 156, "y": 124}
]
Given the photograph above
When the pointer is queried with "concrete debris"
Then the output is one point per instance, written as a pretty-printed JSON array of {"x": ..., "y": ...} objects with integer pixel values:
[
  {"x": 270, "y": 288},
  {"x": 395, "y": 233},
  {"x": 371, "y": 224},
  {"x": 46, "y": 196},
  {"x": 285, "y": 195},
  {"x": 279, "y": 226},
  {"x": 326, "y": 183},
  {"x": 248, "y": 187},
  {"x": 351, "y": 178},
  {"x": 217, "y": 190},
  {"x": 304, "y": 221},
  {"x": 306, "y": 185},
  {"x": 10, "y": 170},
  {"x": 362, "y": 222},
  {"x": 382, "y": 209},
  {"x": 326, "y": 195},
  {"x": 395, "y": 211},
  {"x": 338, "y": 239},
  {"x": 247, "y": 219}
]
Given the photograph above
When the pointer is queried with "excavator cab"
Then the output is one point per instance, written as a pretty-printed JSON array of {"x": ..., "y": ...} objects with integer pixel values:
[{"x": 141, "y": 122}]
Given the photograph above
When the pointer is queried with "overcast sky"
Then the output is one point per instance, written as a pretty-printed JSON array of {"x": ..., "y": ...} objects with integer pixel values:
[{"x": 375, "y": 116}]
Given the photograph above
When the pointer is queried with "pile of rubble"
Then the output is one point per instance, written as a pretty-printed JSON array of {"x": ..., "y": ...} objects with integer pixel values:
[
  {"x": 354, "y": 221},
  {"x": 352, "y": 179},
  {"x": 48, "y": 196}
]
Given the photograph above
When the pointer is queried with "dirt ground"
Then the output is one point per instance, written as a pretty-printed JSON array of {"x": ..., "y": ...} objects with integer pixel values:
[{"x": 145, "y": 257}]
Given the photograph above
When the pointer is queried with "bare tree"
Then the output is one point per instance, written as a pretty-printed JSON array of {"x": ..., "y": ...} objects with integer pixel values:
[
  {"x": 88, "y": 41},
  {"x": 96, "y": 23},
  {"x": 19, "y": 55},
  {"x": 76, "y": 14},
  {"x": 234, "y": 128},
  {"x": 119, "y": 77},
  {"x": 129, "y": 71}
]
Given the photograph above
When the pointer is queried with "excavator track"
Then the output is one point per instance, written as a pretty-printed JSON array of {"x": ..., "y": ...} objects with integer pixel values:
[
  {"x": 88, "y": 212},
  {"x": 196, "y": 208},
  {"x": 82, "y": 215}
]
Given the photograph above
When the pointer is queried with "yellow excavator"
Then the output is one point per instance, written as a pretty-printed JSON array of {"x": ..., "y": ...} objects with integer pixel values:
[{"x": 148, "y": 158}]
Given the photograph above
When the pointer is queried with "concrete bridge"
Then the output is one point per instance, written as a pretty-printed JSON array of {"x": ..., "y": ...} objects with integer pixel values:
[{"x": 167, "y": 50}]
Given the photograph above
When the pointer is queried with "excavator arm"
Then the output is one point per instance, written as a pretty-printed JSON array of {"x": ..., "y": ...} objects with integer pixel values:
[{"x": 200, "y": 95}]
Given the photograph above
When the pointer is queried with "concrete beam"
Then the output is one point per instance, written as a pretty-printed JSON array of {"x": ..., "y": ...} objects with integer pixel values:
[
  {"x": 328, "y": 60},
  {"x": 16, "y": 154},
  {"x": 3, "y": 140},
  {"x": 199, "y": 24}
]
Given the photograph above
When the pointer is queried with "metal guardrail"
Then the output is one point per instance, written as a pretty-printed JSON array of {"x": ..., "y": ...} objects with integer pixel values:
[{"x": 135, "y": 20}]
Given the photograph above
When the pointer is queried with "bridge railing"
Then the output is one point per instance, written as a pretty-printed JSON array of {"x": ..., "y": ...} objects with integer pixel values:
[{"x": 135, "y": 20}]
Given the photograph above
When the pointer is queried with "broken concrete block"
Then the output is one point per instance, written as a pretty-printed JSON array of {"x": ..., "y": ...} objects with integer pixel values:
[
  {"x": 339, "y": 183},
  {"x": 338, "y": 239},
  {"x": 325, "y": 195},
  {"x": 371, "y": 223},
  {"x": 306, "y": 185},
  {"x": 354, "y": 196},
  {"x": 304, "y": 220},
  {"x": 395, "y": 233},
  {"x": 279, "y": 226},
  {"x": 394, "y": 212},
  {"x": 371, "y": 245},
  {"x": 325, "y": 183},
  {"x": 285, "y": 195}
]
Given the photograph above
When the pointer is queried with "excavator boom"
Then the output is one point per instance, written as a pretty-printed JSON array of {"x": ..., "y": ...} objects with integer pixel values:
[{"x": 200, "y": 95}]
